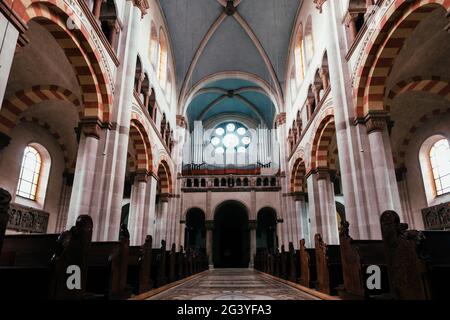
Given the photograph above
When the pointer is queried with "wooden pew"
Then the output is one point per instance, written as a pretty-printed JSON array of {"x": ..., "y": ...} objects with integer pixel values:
[
  {"x": 107, "y": 268},
  {"x": 277, "y": 263},
  {"x": 172, "y": 262},
  {"x": 308, "y": 272},
  {"x": 283, "y": 263},
  {"x": 292, "y": 265},
  {"x": 181, "y": 256},
  {"x": 5, "y": 200},
  {"x": 159, "y": 267},
  {"x": 329, "y": 266},
  {"x": 418, "y": 261},
  {"x": 139, "y": 267},
  {"x": 36, "y": 265},
  {"x": 356, "y": 257}
]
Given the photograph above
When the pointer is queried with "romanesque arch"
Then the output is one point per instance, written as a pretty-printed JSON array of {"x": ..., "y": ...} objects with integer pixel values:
[
  {"x": 379, "y": 58},
  {"x": 80, "y": 51}
]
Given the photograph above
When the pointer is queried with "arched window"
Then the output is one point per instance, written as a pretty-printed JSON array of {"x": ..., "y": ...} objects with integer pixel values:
[
  {"x": 34, "y": 173},
  {"x": 309, "y": 41},
  {"x": 162, "y": 68},
  {"x": 298, "y": 55},
  {"x": 153, "y": 44},
  {"x": 440, "y": 166},
  {"x": 29, "y": 173}
]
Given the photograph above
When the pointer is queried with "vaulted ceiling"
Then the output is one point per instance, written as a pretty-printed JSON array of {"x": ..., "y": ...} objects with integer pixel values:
[{"x": 252, "y": 37}]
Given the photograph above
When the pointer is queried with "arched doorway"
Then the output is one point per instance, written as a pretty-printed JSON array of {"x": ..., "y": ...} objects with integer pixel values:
[
  {"x": 195, "y": 235},
  {"x": 266, "y": 230},
  {"x": 231, "y": 241}
]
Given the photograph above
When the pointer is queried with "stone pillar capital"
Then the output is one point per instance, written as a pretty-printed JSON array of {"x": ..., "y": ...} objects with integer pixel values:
[
  {"x": 141, "y": 176},
  {"x": 209, "y": 225},
  {"x": 375, "y": 122},
  {"x": 181, "y": 121},
  {"x": 252, "y": 224},
  {"x": 322, "y": 173},
  {"x": 91, "y": 127},
  {"x": 300, "y": 196},
  {"x": 141, "y": 5},
  {"x": 281, "y": 119},
  {"x": 319, "y": 4},
  {"x": 164, "y": 197}
]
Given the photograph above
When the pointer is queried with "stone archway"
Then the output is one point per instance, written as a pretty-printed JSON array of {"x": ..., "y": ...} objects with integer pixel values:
[{"x": 231, "y": 237}]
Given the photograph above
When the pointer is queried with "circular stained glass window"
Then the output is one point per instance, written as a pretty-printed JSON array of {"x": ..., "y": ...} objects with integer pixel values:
[
  {"x": 230, "y": 136},
  {"x": 215, "y": 141},
  {"x": 220, "y": 131},
  {"x": 241, "y": 131},
  {"x": 231, "y": 127}
]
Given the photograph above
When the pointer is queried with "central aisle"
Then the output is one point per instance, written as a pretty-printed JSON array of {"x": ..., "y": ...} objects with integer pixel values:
[{"x": 233, "y": 284}]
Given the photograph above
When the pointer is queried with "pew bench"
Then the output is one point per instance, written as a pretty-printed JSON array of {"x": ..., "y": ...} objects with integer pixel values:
[
  {"x": 356, "y": 257},
  {"x": 329, "y": 266}
]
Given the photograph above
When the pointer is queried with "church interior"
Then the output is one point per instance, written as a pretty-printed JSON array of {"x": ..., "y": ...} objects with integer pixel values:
[{"x": 225, "y": 149}]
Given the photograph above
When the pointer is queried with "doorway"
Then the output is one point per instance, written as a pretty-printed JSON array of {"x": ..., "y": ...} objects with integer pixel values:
[{"x": 231, "y": 240}]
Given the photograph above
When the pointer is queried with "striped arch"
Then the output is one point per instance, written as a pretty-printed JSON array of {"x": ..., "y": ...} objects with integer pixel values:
[
  {"x": 400, "y": 160},
  {"x": 79, "y": 48},
  {"x": 165, "y": 178},
  {"x": 143, "y": 151},
  {"x": 55, "y": 135},
  {"x": 399, "y": 22},
  {"x": 298, "y": 182},
  {"x": 131, "y": 165},
  {"x": 432, "y": 85},
  {"x": 320, "y": 152},
  {"x": 14, "y": 106}
]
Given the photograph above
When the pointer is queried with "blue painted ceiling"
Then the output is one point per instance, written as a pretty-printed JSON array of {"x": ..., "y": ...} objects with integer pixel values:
[{"x": 231, "y": 105}]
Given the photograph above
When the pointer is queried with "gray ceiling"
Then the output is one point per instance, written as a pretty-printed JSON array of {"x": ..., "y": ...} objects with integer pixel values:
[{"x": 230, "y": 48}]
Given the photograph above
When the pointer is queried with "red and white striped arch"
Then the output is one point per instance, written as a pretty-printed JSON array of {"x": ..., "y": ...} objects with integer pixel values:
[
  {"x": 397, "y": 25},
  {"x": 165, "y": 178},
  {"x": 79, "y": 48},
  {"x": 298, "y": 182},
  {"x": 324, "y": 134},
  {"x": 15, "y": 106},
  {"x": 433, "y": 85},
  {"x": 141, "y": 142}
]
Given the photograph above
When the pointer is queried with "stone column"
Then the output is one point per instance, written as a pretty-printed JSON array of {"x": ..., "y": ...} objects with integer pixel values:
[
  {"x": 163, "y": 218},
  {"x": 209, "y": 225},
  {"x": 284, "y": 150},
  {"x": 252, "y": 229},
  {"x": 114, "y": 160},
  {"x": 386, "y": 192},
  {"x": 329, "y": 227},
  {"x": 323, "y": 72},
  {"x": 11, "y": 30},
  {"x": 137, "y": 208},
  {"x": 64, "y": 202},
  {"x": 354, "y": 156},
  {"x": 182, "y": 236},
  {"x": 314, "y": 206},
  {"x": 97, "y": 8},
  {"x": 350, "y": 24},
  {"x": 83, "y": 186},
  {"x": 301, "y": 208},
  {"x": 149, "y": 210},
  {"x": 402, "y": 182}
]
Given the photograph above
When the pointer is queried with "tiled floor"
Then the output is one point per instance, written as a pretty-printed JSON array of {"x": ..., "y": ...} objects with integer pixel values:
[{"x": 233, "y": 284}]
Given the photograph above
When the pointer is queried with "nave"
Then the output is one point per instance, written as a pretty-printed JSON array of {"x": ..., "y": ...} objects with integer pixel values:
[{"x": 233, "y": 284}]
